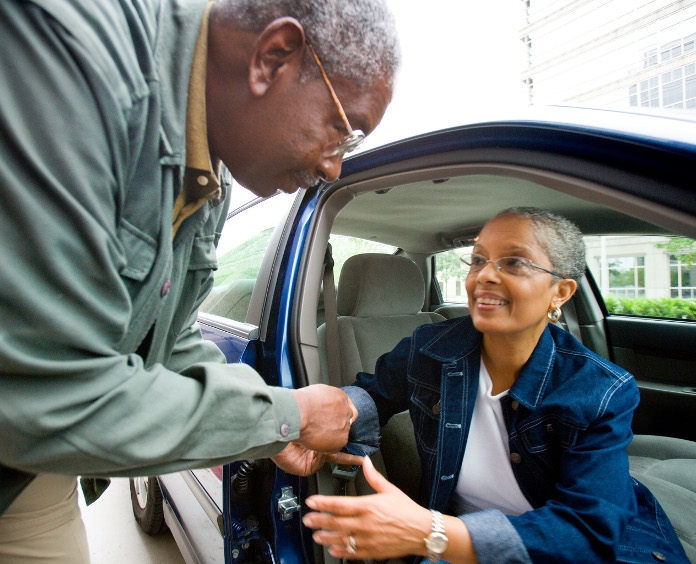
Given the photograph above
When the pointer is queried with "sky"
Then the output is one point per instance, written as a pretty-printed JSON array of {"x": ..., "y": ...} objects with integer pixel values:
[{"x": 461, "y": 62}]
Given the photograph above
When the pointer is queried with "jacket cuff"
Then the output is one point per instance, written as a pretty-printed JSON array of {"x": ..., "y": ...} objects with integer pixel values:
[
  {"x": 363, "y": 439},
  {"x": 494, "y": 538}
]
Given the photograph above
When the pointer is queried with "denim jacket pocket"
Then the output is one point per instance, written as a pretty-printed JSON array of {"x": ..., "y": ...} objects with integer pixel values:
[
  {"x": 546, "y": 437},
  {"x": 425, "y": 412}
]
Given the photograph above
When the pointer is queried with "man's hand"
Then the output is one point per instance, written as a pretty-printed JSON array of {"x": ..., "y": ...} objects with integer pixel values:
[
  {"x": 298, "y": 460},
  {"x": 327, "y": 414}
]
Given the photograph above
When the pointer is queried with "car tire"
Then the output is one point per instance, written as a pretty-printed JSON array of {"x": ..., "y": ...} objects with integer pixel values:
[{"x": 146, "y": 499}]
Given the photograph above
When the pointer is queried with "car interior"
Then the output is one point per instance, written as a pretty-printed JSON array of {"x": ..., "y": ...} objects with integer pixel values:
[{"x": 343, "y": 326}]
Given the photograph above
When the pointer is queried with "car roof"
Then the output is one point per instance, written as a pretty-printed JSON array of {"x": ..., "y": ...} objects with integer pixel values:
[{"x": 608, "y": 171}]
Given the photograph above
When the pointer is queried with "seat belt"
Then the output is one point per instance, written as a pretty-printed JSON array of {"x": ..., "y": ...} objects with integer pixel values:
[
  {"x": 343, "y": 474},
  {"x": 571, "y": 319},
  {"x": 333, "y": 348}
]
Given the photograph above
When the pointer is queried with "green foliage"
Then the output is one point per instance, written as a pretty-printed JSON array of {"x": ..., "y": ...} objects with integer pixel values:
[
  {"x": 682, "y": 247},
  {"x": 449, "y": 265},
  {"x": 343, "y": 247},
  {"x": 244, "y": 260},
  {"x": 673, "y": 308}
]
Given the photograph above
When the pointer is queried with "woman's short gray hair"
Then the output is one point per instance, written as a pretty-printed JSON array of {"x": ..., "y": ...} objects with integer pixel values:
[
  {"x": 355, "y": 39},
  {"x": 559, "y": 237}
]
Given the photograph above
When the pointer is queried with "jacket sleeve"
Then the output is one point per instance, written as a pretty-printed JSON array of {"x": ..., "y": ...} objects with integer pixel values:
[
  {"x": 378, "y": 397},
  {"x": 71, "y": 402}
]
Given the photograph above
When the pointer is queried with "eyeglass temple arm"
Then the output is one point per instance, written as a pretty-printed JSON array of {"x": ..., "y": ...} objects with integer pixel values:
[{"x": 331, "y": 90}]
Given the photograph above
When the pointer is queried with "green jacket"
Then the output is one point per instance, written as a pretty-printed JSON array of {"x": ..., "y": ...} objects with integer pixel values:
[{"x": 92, "y": 153}]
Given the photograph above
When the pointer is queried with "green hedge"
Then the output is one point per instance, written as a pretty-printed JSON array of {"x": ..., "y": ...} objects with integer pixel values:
[{"x": 673, "y": 308}]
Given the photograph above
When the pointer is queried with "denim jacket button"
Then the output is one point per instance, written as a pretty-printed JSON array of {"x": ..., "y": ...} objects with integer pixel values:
[
  {"x": 659, "y": 556},
  {"x": 436, "y": 408},
  {"x": 515, "y": 458},
  {"x": 514, "y": 405}
]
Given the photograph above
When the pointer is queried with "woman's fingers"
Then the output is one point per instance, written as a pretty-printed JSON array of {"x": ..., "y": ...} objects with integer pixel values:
[{"x": 378, "y": 482}]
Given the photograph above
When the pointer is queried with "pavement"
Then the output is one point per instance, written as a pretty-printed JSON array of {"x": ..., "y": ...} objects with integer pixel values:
[{"x": 115, "y": 538}]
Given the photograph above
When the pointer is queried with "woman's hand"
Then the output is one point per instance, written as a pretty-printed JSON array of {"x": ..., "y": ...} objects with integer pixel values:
[{"x": 387, "y": 524}]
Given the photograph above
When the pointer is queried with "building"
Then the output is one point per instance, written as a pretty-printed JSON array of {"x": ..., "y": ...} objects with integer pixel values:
[{"x": 610, "y": 53}]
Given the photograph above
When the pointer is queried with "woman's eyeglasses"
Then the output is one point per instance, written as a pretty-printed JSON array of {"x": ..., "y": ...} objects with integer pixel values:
[{"x": 513, "y": 266}]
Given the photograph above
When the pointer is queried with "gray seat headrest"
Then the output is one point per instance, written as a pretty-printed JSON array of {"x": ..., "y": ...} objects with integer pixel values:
[{"x": 375, "y": 285}]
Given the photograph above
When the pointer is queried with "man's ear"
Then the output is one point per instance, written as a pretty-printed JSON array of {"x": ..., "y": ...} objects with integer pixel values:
[{"x": 278, "y": 48}]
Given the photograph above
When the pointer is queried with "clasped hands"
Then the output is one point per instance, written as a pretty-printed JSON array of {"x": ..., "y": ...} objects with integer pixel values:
[{"x": 326, "y": 416}]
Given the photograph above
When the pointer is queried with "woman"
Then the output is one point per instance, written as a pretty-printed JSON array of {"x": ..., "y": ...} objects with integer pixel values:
[{"x": 521, "y": 430}]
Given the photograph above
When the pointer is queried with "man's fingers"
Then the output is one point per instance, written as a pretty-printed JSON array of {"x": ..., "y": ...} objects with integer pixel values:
[{"x": 354, "y": 412}]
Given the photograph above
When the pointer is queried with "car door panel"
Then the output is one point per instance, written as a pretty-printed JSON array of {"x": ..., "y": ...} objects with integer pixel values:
[{"x": 661, "y": 354}]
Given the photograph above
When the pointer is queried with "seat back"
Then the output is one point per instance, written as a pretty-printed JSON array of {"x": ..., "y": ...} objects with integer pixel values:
[{"x": 379, "y": 302}]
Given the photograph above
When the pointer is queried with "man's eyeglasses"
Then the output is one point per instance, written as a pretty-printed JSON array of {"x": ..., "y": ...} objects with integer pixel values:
[
  {"x": 355, "y": 137},
  {"x": 514, "y": 266}
]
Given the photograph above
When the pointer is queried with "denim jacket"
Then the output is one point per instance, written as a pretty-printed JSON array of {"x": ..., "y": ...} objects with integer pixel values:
[{"x": 568, "y": 417}]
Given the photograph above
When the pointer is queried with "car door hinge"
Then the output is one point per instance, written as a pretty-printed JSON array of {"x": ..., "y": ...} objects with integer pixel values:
[{"x": 287, "y": 503}]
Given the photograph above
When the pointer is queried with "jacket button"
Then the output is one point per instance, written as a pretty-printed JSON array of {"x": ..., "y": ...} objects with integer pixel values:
[
  {"x": 514, "y": 405},
  {"x": 515, "y": 458},
  {"x": 285, "y": 429},
  {"x": 436, "y": 408},
  {"x": 203, "y": 180},
  {"x": 165, "y": 288},
  {"x": 659, "y": 556}
]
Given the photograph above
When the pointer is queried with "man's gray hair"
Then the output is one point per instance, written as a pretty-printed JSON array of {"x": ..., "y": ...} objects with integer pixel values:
[
  {"x": 355, "y": 39},
  {"x": 560, "y": 238}
]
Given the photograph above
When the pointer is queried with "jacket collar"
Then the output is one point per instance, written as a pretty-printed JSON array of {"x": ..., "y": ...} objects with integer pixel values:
[{"x": 460, "y": 340}]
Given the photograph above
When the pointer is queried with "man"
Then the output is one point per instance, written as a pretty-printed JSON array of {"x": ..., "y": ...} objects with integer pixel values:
[{"x": 114, "y": 118}]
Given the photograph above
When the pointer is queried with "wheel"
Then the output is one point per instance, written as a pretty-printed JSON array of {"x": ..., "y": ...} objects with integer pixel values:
[{"x": 146, "y": 499}]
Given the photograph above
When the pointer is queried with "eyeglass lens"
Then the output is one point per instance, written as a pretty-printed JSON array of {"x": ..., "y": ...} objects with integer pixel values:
[{"x": 514, "y": 266}]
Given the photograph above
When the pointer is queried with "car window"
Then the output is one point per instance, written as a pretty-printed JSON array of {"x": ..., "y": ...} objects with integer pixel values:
[
  {"x": 344, "y": 247},
  {"x": 651, "y": 276},
  {"x": 243, "y": 243},
  {"x": 451, "y": 273}
]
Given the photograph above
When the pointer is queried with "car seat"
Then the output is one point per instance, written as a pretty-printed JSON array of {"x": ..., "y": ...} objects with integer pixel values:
[{"x": 378, "y": 303}]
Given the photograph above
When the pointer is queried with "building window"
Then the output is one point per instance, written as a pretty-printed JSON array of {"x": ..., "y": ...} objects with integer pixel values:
[
  {"x": 627, "y": 277},
  {"x": 671, "y": 50},
  {"x": 650, "y": 58},
  {"x": 683, "y": 278}
]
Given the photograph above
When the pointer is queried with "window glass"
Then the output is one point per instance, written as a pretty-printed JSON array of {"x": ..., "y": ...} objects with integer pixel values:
[
  {"x": 344, "y": 247},
  {"x": 650, "y": 276},
  {"x": 451, "y": 273},
  {"x": 243, "y": 244}
]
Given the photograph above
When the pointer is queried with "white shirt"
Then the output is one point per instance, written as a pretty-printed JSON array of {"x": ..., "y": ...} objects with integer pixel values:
[{"x": 486, "y": 479}]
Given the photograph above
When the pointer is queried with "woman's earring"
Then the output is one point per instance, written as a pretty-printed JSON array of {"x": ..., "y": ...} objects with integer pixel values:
[{"x": 554, "y": 314}]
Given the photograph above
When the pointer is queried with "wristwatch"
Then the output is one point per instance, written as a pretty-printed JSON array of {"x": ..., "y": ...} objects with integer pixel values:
[{"x": 436, "y": 541}]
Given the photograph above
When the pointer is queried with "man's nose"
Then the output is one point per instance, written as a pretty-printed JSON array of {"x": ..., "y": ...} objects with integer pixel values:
[{"x": 330, "y": 168}]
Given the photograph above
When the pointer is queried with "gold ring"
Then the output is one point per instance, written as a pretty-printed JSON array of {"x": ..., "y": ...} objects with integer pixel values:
[{"x": 351, "y": 547}]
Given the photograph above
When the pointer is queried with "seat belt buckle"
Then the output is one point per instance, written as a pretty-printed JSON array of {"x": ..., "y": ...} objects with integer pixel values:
[{"x": 345, "y": 472}]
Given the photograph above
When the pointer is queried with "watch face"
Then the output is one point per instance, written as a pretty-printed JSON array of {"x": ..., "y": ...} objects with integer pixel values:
[{"x": 437, "y": 542}]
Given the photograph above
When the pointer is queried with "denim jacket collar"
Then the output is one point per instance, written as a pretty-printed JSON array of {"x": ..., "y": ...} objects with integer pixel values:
[{"x": 529, "y": 387}]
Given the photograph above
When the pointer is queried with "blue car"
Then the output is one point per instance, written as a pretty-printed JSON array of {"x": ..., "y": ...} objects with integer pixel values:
[{"x": 628, "y": 180}]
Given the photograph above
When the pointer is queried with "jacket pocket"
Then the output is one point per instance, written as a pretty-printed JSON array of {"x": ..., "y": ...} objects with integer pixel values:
[{"x": 139, "y": 249}]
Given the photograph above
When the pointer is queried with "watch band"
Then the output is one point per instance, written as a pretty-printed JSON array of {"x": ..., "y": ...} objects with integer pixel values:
[{"x": 436, "y": 542}]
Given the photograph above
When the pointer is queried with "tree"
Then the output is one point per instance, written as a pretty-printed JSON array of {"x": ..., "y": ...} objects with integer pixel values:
[{"x": 681, "y": 247}]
